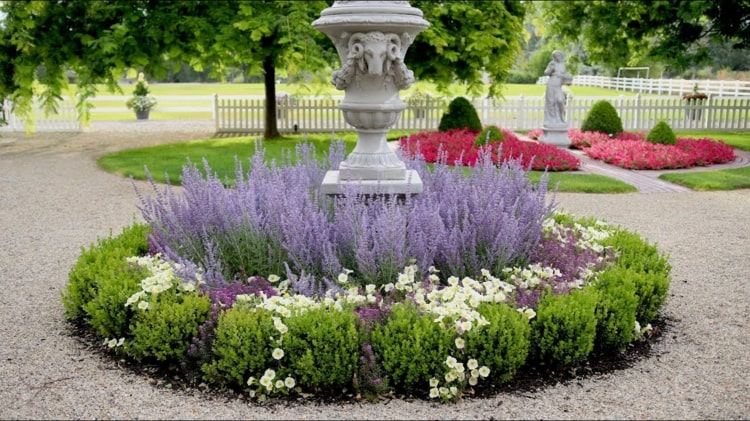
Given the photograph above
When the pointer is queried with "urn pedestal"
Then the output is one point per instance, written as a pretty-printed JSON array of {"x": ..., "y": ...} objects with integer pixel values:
[
  {"x": 556, "y": 135},
  {"x": 371, "y": 38}
]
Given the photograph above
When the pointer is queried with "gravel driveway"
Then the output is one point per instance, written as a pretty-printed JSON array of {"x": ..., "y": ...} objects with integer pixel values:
[{"x": 53, "y": 200}]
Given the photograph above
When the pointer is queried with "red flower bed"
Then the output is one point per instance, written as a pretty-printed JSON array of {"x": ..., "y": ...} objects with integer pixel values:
[
  {"x": 458, "y": 148},
  {"x": 631, "y": 150}
]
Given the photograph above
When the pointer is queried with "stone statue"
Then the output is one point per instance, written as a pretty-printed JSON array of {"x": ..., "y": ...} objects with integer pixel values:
[{"x": 555, "y": 127}]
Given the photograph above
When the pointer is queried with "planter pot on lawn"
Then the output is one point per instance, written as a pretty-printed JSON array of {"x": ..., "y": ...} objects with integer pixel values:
[{"x": 142, "y": 115}]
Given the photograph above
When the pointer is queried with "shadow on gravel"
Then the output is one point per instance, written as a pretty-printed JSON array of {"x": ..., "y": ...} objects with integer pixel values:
[{"x": 529, "y": 381}]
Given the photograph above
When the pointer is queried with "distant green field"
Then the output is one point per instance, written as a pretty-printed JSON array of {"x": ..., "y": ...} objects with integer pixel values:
[
  {"x": 108, "y": 109},
  {"x": 170, "y": 89}
]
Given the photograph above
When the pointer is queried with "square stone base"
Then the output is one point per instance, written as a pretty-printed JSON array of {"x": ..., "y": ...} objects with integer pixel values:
[
  {"x": 557, "y": 136},
  {"x": 411, "y": 184}
]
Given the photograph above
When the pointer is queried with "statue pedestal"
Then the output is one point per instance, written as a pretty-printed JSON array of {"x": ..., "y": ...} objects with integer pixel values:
[
  {"x": 410, "y": 184},
  {"x": 556, "y": 135}
]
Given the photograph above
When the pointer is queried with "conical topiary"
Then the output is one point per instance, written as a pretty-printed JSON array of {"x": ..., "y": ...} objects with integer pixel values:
[
  {"x": 662, "y": 133},
  {"x": 461, "y": 115},
  {"x": 488, "y": 135},
  {"x": 602, "y": 118}
]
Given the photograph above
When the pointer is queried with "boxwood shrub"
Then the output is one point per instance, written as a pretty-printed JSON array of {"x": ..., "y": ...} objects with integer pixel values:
[
  {"x": 461, "y": 114},
  {"x": 489, "y": 135},
  {"x": 241, "y": 347},
  {"x": 503, "y": 345},
  {"x": 602, "y": 117},
  {"x": 324, "y": 349},
  {"x": 411, "y": 347},
  {"x": 565, "y": 327},
  {"x": 662, "y": 133},
  {"x": 163, "y": 331},
  {"x": 103, "y": 260}
]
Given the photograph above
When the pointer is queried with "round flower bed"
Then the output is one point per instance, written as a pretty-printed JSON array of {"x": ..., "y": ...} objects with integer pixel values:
[
  {"x": 274, "y": 289},
  {"x": 459, "y": 147},
  {"x": 631, "y": 150}
]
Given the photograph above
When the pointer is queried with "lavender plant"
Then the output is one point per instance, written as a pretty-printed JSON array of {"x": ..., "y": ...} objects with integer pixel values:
[{"x": 276, "y": 220}]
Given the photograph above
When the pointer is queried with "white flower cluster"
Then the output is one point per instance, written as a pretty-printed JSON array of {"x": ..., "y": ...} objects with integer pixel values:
[
  {"x": 587, "y": 237},
  {"x": 642, "y": 332},
  {"x": 113, "y": 343},
  {"x": 456, "y": 376},
  {"x": 270, "y": 383},
  {"x": 161, "y": 278},
  {"x": 455, "y": 306}
]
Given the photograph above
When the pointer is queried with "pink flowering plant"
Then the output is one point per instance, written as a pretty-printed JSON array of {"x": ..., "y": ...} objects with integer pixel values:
[{"x": 631, "y": 150}]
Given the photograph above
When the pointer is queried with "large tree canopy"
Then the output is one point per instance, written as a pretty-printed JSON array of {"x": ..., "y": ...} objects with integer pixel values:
[
  {"x": 674, "y": 32},
  {"x": 41, "y": 41}
]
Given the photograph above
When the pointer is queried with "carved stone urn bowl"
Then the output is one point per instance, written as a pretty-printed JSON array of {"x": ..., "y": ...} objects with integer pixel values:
[{"x": 371, "y": 38}]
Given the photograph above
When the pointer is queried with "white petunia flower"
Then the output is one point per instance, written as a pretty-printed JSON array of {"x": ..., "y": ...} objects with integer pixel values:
[
  {"x": 289, "y": 382},
  {"x": 484, "y": 371},
  {"x": 343, "y": 278},
  {"x": 434, "y": 393},
  {"x": 370, "y": 288},
  {"x": 472, "y": 364},
  {"x": 434, "y": 382},
  {"x": 450, "y": 362},
  {"x": 460, "y": 343},
  {"x": 473, "y": 381},
  {"x": 112, "y": 343},
  {"x": 454, "y": 390},
  {"x": 273, "y": 278},
  {"x": 277, "y": 354},
  {"x": 279, "y": 384},
  {"x": 270, "y": 374},
  {"x": 143, "y": 305},
  {"x": 388, "y": 287},
  {"x": 122, "y": 341},
  {"x": 251, "y": 394},
  {"x": 251, "y": 381}
]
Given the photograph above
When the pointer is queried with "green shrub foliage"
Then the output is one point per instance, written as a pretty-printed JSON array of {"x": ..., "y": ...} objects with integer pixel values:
[
  {"x": 106, "y": 312},
  {"x": 411, "y": 347},
  {"x": 565, "y": 328},
  {"x": 503, "y": 345},
  {"x": 648, "y": 270},
  {"x": 489, "y": 134},
  {"x": 662, "y": 133},
  {"x": 163, "y": 331},
  {"x": 461, "y": 115},
  {"x": 242, "y": 347},
  {"x": 602, "y": 118},
  {"x": 322, "y": 348},
  {"x": 103, "y": 261},
  {"x": 617, "y": 307}
]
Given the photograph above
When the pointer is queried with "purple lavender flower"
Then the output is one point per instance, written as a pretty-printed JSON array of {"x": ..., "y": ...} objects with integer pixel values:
[{"x": 275, "y": 220}]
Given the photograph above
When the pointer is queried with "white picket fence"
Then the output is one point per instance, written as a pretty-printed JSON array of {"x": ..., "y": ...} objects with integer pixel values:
[
  {"x": 65, "y": 120},
  {"x": 722, "y": 88},
  {"x": 247, "y": 115}
]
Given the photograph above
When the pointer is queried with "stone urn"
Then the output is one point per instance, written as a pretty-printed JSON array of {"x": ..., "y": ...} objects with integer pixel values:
[{"x": 371, "y": 38}]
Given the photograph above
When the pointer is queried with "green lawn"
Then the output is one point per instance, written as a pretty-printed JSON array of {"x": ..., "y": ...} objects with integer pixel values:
[
  {"x": 740, "y": 140},
  {"x": 166, "y": 161},
  {"x": 571, "y": 182},
  {"x": 732, "y": 179}
]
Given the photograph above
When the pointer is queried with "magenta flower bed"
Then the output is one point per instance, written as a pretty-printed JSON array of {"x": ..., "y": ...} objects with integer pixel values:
[
  {"x": 457, "y": 147},
  {"x": 631, "y": 150}
]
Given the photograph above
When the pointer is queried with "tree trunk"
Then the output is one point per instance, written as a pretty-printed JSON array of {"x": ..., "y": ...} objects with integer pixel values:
[{"x": 269, "y": 79}]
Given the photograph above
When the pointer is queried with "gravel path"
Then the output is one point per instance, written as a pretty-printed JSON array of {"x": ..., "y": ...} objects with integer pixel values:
[{"x": 53, "y": 200}]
